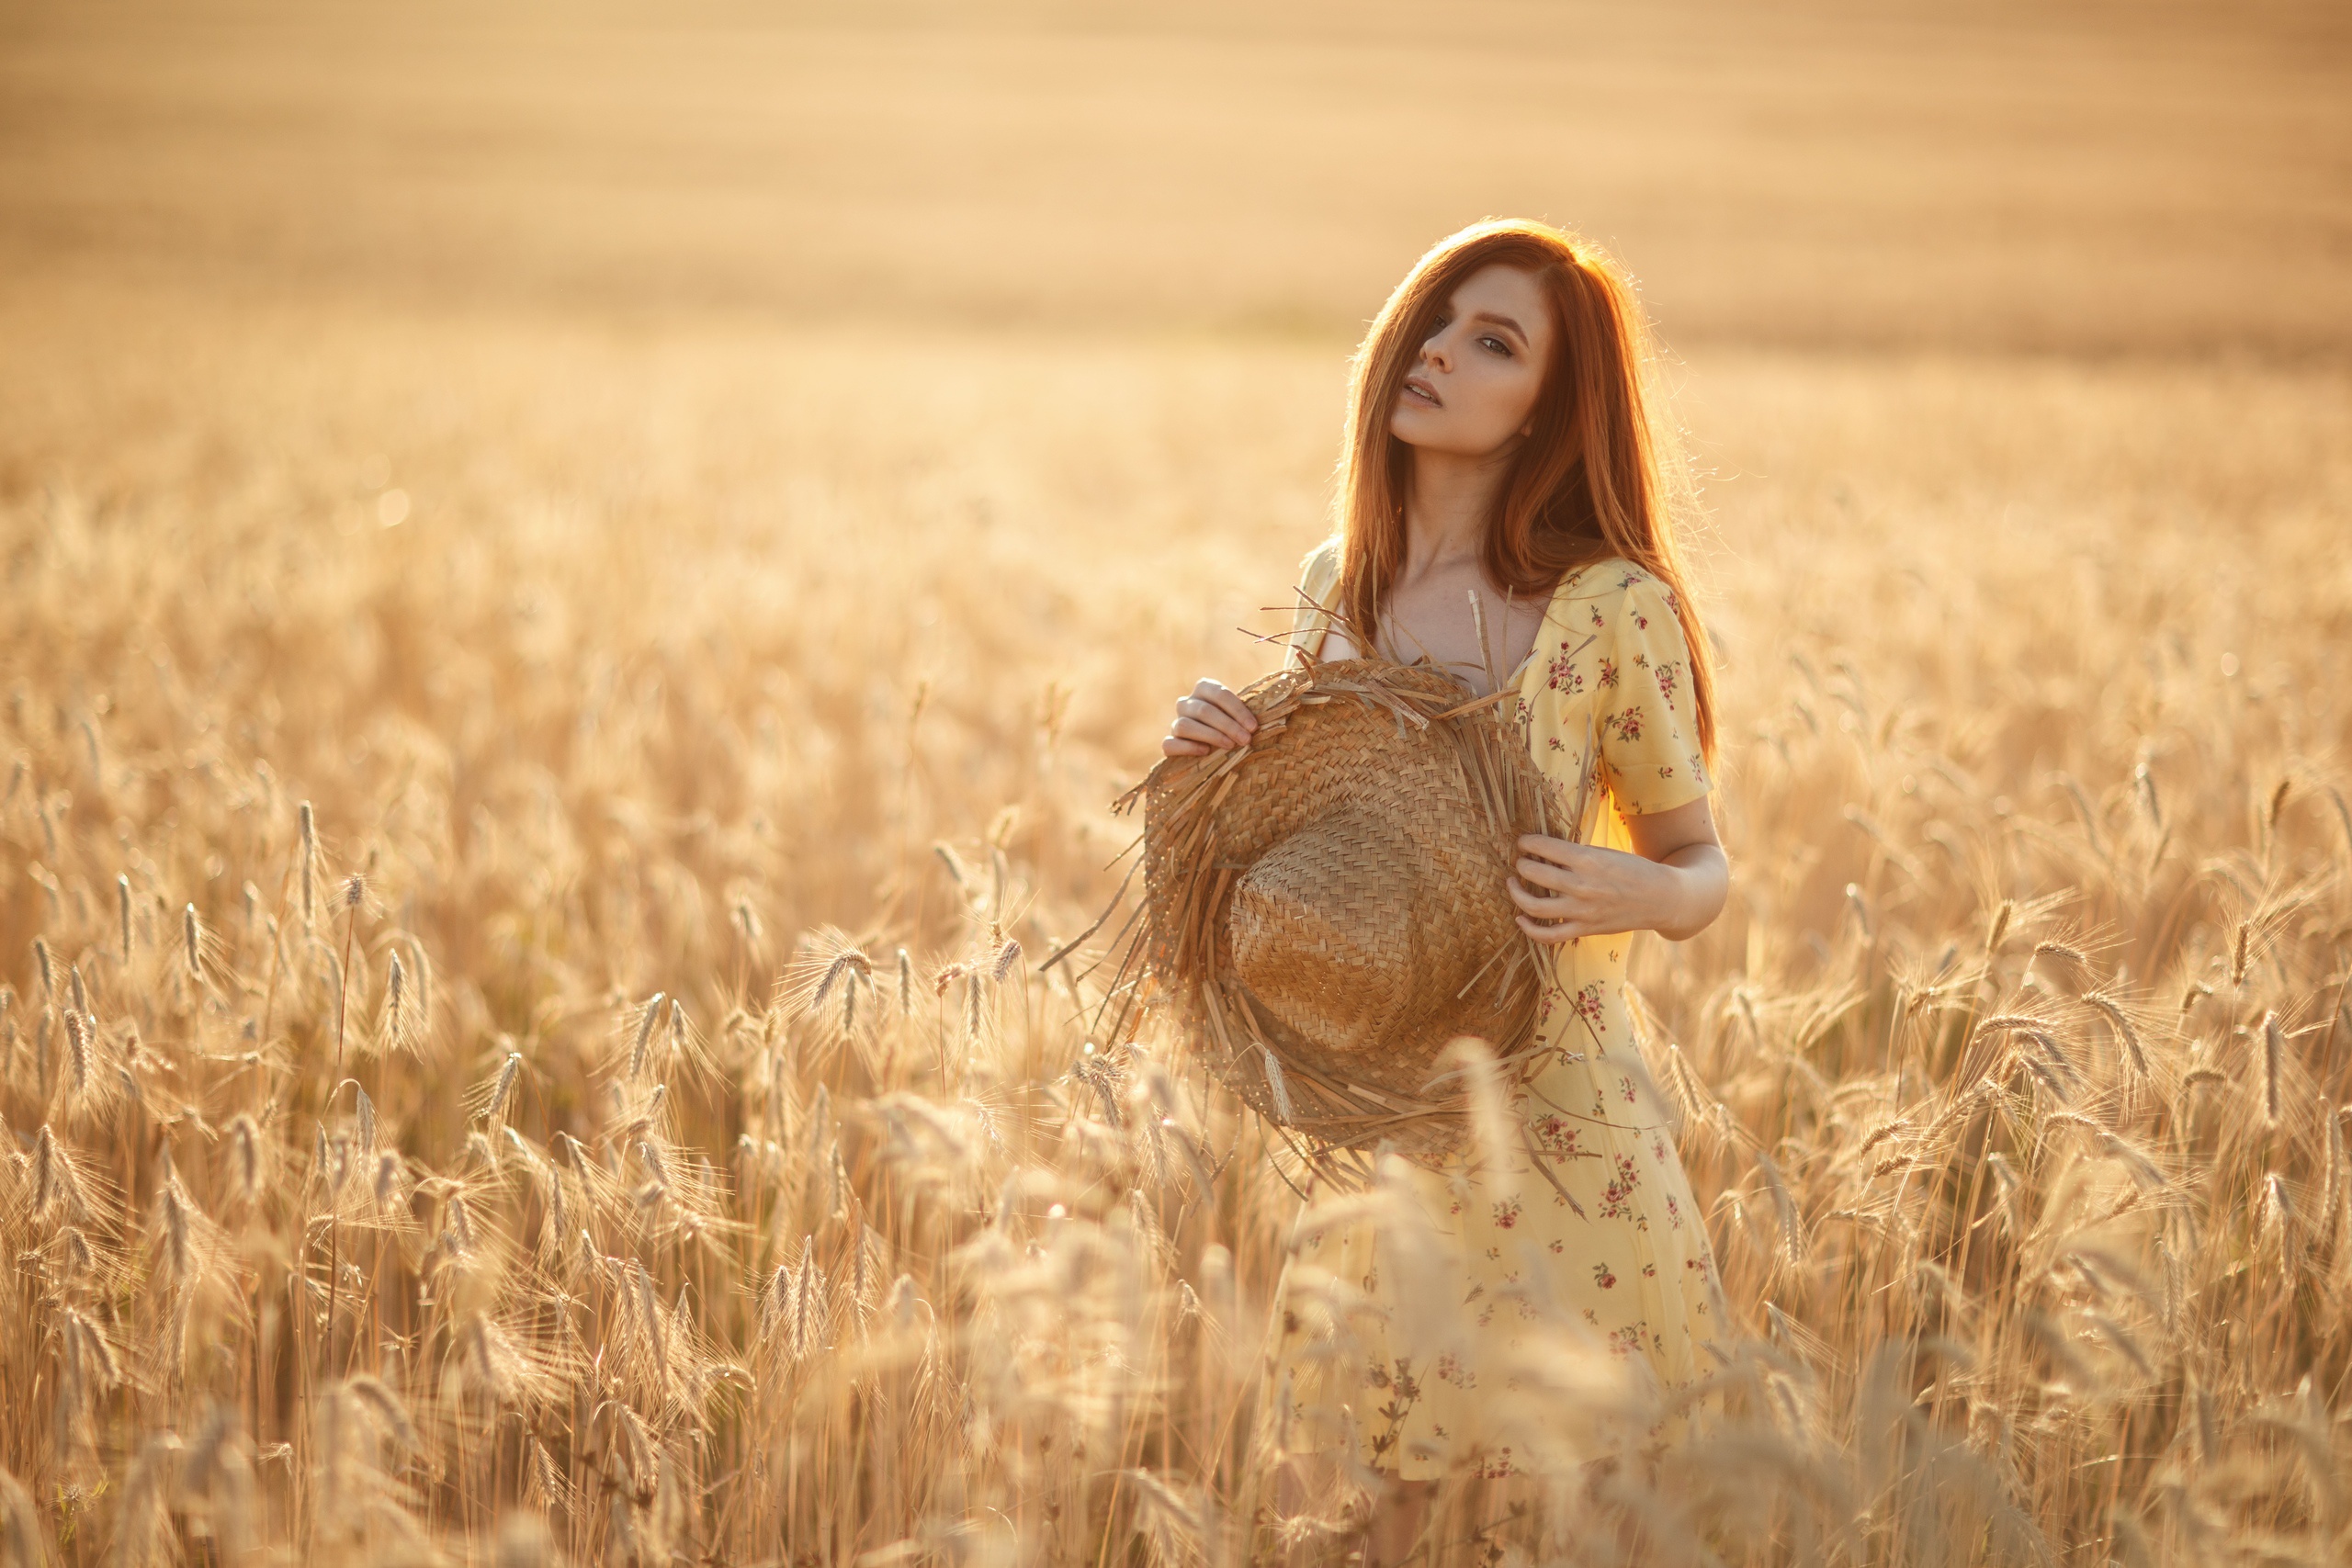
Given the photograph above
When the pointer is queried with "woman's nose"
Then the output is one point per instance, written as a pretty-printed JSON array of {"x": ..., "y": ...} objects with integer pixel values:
[{"x": 1433, "y": 354}]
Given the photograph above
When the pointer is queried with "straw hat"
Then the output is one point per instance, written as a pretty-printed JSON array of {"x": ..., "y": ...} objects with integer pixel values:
[{"x": 1326, "y": 907}]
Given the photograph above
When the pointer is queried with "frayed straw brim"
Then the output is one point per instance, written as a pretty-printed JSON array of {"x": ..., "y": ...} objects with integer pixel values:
[{"x": 1326, "y": 909}]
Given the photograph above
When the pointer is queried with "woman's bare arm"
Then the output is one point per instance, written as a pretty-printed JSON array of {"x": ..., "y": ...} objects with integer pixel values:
[{"x": 1674, "y": 883}]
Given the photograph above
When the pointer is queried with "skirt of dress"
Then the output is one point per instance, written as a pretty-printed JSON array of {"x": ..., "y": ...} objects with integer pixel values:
[{"x": 1444, "y": 1323}]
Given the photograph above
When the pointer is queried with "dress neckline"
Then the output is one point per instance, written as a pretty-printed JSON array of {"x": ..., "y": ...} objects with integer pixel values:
[
  {"x": 1517, "y": 676},
  {"x": 1551, "y": 607}
]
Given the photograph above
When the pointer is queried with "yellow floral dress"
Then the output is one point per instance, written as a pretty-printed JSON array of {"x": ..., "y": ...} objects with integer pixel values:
[{"x": 1613, "y": 1246}]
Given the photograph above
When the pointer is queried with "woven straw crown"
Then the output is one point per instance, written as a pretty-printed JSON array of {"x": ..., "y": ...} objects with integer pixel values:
[{"x": 1326, "y": 907}]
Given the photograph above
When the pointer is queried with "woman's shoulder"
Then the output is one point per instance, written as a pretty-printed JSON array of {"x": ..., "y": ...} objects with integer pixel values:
[
  {"x": 1606, "y": 585},
  {"x": 1318, "y": 573},
  {"x": 1319, "y": 589}
]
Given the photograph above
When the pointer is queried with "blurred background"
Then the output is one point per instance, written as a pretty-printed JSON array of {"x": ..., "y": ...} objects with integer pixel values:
[{"x": 2080, "y": 176}]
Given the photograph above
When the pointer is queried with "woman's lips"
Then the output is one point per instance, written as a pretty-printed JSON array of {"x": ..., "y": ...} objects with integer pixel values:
[{"x": 1416, "y": 387}]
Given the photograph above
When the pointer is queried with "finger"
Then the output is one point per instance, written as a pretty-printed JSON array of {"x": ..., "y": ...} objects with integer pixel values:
[
  {"x": 1204, "y": 735},
  {"x": 1173, "y": 746},
  {"x": 1231, "y": 705},
  {"x": 1550, "y": 935},
  {"x": 1208, "y": 714},
  {"x": 1214, "y": 717},
  {"x": 1560, "y": 852},
  {"x": 1536, "y": 904},
  {"x": 1193, "y": 711},
  {"x": 1217, "y": 694},
  {"x": 1543, "y": 874}
]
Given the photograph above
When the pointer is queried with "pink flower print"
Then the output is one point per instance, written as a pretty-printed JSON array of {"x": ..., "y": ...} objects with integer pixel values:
[
  {"x": 1558, "y": 1247},
  {"x": 1628, "y": 724},
  {"x": 1597, "y": 621},
  {"x": 1506, "y": 1213},
  {"x": 1559, "y": 1138},
  {"x": 1667, "y": 678},
  {"x": 1658, "y": 1148},
  {"x": 1672, "y": 602},
  {"x": 1607, "y": 672},
  {"x": 1650, "y": 1270},
  {"x": 1673, "y": 1213},
  {"x": 1587, "y": 1004},
  {"x": 1616, "y": 1199},
  {"x": 1628, "y": 581},
  {"x": 1497, "y": 1467},
  {"x": 1626, "y": 1340},
  {"x": 1448, "y": 1370},
  {"x": 1626, "y": 1087},
  {"x": 1603, "y": 1277},
  {"x": 1564, "y": 676}
]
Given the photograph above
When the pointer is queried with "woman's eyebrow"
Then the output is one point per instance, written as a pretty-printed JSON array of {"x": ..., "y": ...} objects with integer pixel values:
[{"x": 1515, "y": 330}]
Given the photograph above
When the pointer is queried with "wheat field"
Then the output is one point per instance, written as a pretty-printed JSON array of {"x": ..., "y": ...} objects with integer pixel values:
[{"x": 534, "y": 812}]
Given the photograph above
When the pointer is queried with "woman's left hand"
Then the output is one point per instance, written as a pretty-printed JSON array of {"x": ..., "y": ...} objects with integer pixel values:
[
  {"x": 1577, "y": 890},
  {"x": 1674, "y": 885}
]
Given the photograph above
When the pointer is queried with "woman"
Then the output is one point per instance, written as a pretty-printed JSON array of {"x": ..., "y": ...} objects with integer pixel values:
[{"x": 1501, "y": 479}]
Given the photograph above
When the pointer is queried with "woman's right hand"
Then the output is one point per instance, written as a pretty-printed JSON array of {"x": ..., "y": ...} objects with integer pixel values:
[{"x": 1213, "y": 719}]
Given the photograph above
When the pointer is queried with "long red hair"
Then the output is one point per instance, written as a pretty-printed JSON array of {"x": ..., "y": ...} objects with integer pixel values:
[{"x": 1586, "y": 485}]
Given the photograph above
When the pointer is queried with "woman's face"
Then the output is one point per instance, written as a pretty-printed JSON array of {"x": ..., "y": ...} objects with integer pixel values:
[{"x": 1481, "y": 368}]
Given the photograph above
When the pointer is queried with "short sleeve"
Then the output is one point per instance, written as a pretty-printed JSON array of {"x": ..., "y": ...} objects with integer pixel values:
[
  {"x": 1318, "y": 581},
  {"x": 1647, "y": 714}
]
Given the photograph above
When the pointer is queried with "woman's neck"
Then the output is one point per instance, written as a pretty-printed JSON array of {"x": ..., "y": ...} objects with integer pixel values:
[{"x": 1449, "y": 506}]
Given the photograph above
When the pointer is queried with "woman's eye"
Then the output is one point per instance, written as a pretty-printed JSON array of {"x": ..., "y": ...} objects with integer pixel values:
[{"x": 1495, "y": 345}]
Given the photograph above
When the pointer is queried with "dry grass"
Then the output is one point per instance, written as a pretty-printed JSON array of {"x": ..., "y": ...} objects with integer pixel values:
[
  {"x": 533, "y": 790},
  {"x": 2011, "y": 1081}
]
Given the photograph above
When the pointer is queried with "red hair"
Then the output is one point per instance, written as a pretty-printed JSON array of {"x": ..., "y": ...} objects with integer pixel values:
[{"x": 1585, "y": 486}]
